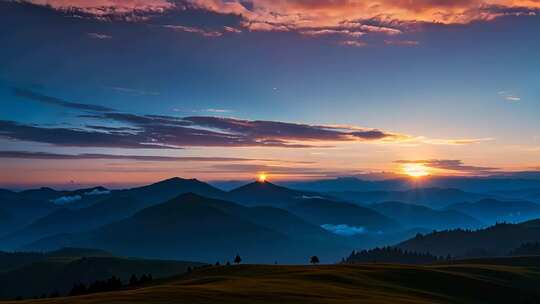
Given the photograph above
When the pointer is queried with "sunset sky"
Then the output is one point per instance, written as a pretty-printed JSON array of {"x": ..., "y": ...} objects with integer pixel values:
[{"x": 128, "y": 92}]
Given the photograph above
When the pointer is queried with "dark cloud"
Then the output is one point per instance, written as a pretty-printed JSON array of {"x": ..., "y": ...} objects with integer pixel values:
[
  {"x": 274, "y": 130},
  {"x": 76, "y": 137},
  {"x": 158, "y": 131},
  {"x": 126, "y": 130},
  {"x": 55, "y": 156},
  {"x": 27, "y": 94},
  {"x": 450, "y": 164},
  {"x": 371, "y": 134}
]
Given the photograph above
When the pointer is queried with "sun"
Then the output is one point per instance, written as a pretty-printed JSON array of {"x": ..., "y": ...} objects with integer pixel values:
[
  {"x": 415, "y": 170},
  {"x": 262, "y": 177}
]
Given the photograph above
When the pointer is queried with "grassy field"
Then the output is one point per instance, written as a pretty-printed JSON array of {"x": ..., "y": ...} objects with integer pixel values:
[{"x": 467, "y": 282}]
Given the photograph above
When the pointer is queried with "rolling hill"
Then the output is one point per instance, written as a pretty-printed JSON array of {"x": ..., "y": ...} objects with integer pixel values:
[
  {"x": 497, "y": 240},
  {"x": 411, "y": 216},
  {"x": 492, "y": 211},
  {"x": 465, "y": 283}
]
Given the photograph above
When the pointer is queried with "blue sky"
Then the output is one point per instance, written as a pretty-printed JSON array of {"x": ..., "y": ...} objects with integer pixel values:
[{"x": 452, "y": 90}]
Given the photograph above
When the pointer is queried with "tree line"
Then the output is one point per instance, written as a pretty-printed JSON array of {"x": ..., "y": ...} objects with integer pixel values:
[
  {"x": 390, "y": 254},
  {"x": 111, "y": 284}
]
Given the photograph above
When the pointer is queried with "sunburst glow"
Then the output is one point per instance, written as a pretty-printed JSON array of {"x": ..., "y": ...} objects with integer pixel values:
[
  {"x": 415, "y": 170},
  {"x": 262, "y": 177}
]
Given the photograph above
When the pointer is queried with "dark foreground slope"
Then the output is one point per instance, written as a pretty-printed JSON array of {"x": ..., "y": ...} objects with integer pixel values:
[
  {"x": 460, "y": 283},
  {"x": 497, "y": 240},
  {"x": 36, "y": 274}
]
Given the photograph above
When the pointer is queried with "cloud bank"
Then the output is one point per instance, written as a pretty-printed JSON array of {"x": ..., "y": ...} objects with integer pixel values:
[
  {"x": 343, "y": 229},
  {"x": 319, "y": 17},
  {"x": 452, "y": 165}
]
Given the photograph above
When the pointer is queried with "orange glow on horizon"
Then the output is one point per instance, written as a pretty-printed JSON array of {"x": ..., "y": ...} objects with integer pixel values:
[
  {"x": 415, "y": 170},
  {"x": 262, "y": 177}
]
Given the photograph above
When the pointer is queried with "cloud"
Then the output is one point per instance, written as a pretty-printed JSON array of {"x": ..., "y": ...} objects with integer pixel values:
[
  {"x": 211, "y": 110},
  {"x": 509, "y": 96},
  {"x": 99, "y": 36},
  {"x": 452, "y": 142},
  {"x": 27, "y": 94},
  {"x": 343, "y": 229},
  {"x": 108, "y": 7},
  {"x": 98, "y": 192},
  {"x": 231, "y": 29},
  {"x": 125, "y": 130},
  {"x": 277, "y": 170},
  {"x": 326, "y": 32},
  {"x": 63, "y": 200},
  {"x": 348, "y": 18},
  {"x": 452, "y": 165},
  {"x": 132, "y": 91},
  {"x": 354, "y": 43},
  {"x": 194, "y": 30},
  {"x": 73, "y": 137},
  {"x": 402, "y": 42},
  {"x": 152, "y": 158}
]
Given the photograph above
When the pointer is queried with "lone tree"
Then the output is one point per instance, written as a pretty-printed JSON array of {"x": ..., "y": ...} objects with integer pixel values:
[
  {"x": 133, "y": 281},
  {"x": 314, "y": 260},
  {"x": 237, "y": 259}
]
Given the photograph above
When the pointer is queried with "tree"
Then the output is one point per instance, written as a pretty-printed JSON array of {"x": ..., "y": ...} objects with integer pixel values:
[
  {"x": 314, "y": 260},
  {"x": 237, "y": 259},
  {"x": 133, "y": 281},
  {"x": 54, "y": 294},
  {"x": 78, "y": 289},
  {"x": 144, "y": 279},
  {"x": 217, "y": 263}
]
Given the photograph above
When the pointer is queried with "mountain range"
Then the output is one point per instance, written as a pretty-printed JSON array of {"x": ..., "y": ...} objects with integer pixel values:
[{"x": 191, "y": 220}]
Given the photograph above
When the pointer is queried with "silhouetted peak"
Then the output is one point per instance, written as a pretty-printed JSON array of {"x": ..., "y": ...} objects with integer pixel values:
[
  {"x": 176, "y": 182},
  {"x": 189, "y": 197},
  {"x": 260, "y": 186}
]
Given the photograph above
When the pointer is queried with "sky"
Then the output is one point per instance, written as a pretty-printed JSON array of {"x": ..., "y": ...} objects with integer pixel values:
[{"x": 128, "y": 92}]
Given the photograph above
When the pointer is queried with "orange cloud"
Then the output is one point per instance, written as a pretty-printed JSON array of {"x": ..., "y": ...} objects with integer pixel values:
[
  {"x": 104, "y": 7},
  {"x": 303, "y": 14}
]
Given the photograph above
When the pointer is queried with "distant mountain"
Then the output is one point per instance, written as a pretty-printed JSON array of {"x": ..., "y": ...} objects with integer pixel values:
[
  {"x": 19, "y": 211},
  {"x": 323, "y": 212},
  {"x": 431, "y": 197},
  {"x": 4, "y": 216},
  {"x": 411, "y": 215},
  {"x": 112, "y": 207},
  {"x": 528, "y": 194},
  {"x": 43, "y": 193},
  {"x": 342, "y": 184},
  {"x": 167, "y": 189},
  {"x": 492, "y": 211},
  {"x": 29, "y": 205},
  {"x": 197, "y": 228},
  {"x": 496, "y": 240},
  {"x": 268, "y": 194},
  {"x": 59, "y": 271},
  {"x": 66, "y": 220},
  {"x": 470, "y": 184}
]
